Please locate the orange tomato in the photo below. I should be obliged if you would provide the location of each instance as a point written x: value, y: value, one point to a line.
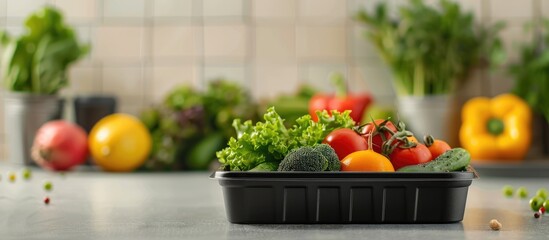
x: 436, y: 146
x: 366, y: 160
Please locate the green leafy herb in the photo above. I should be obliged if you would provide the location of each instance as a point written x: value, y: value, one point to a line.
x: 531, y: 72
x: 38, y: 60
x: 270, y: 141
x: 430, y: 49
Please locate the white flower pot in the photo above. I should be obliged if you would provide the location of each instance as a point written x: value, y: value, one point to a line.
x: 427, y: 115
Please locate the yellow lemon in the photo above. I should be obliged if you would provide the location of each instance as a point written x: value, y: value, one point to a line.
x: 119, y: 142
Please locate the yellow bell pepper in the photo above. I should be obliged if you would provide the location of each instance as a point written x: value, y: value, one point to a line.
x: 497, y: 128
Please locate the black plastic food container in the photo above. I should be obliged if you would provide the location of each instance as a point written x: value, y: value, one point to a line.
x: 344, y: 197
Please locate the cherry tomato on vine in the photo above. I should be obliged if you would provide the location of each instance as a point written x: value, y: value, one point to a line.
x: 377, y: 139
x: 401, y: 157
x: 345, y: 141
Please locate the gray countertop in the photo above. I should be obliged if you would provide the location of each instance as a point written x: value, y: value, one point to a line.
x: 98, y: 205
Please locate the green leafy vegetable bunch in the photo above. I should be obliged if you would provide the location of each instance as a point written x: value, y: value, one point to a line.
x: 268, y: 142
x: 531, y: 71
x: 430, y: 49
x: 38, y: 60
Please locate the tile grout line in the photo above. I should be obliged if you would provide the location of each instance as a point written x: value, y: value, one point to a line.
x: 100, y: 22
x: 197, y: 21
x: 250, y: 60
x: 485, y: 76
x: 299, y: 66
x: 352, y: 81
x: 147, y: 58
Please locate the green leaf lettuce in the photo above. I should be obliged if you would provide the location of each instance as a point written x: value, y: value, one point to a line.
x: 270, y: 141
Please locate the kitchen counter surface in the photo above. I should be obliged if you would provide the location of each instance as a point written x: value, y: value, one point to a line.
x: 96, y: 205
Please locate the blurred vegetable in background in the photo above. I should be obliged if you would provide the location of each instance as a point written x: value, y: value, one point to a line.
x: 430, y: 50
x: 38, y: 61
x: 342, y: 100
x: 497, y: 128
x: 119, y: 143
x: 60, y: 145
x: 378, y: 111
x: 190, y: 126
x: 290, y: 107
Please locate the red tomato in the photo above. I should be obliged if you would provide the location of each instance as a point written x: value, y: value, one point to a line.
x: 377, y: 139
x: 345, y: 141
x: 401, y: 157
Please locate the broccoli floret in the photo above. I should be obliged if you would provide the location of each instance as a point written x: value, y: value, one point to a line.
x: 303, y: 159
x: 330, y: 154
x: 318, y: 158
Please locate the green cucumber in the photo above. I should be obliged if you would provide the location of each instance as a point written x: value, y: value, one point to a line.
x: 452, y: 160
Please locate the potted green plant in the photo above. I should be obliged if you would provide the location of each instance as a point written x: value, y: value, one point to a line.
x: 34, y: 67
x: 430, y: 51
x: 531, y: 75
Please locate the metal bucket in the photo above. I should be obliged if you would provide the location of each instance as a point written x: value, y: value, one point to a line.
x: 427, y: 115
x: 23, y: 115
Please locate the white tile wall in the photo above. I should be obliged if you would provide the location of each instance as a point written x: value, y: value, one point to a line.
x: 143, y: 48
x: 174, y: 41
x: 172, y: 8
x: 323, y: 42
x: 3, y: 9
x: 78, y: 11
x: 274, y: 79
x: 126, y: 81
x: 223, y: 8
x: 19, y: 9
x: 118, y: 42
x: 166, y: 78
x: 322, y: 11
x: 275, y: 42
x: 84, y: 80
x: 117, y: 9
x: 544, y: 7
x: 505, y: 10
x: 277, y: 10
x: 225, y: 41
